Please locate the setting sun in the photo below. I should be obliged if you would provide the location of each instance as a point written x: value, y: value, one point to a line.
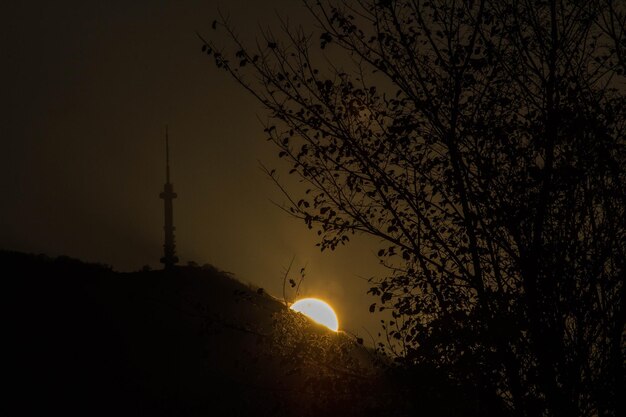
x: 317, y: 310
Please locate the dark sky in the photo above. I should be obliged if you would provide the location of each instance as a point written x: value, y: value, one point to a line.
x: 87, y: 89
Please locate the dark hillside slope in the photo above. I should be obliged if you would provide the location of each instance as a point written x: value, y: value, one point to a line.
x: 89, y: 341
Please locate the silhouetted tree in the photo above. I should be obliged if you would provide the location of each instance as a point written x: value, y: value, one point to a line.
x: 482, y: 143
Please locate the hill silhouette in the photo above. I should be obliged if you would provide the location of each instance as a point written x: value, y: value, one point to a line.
x: 190, y: 342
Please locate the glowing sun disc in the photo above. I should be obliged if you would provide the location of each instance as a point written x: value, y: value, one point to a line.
x: 317, y: 310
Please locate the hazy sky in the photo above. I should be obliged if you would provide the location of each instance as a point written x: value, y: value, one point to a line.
x: 87, y: 89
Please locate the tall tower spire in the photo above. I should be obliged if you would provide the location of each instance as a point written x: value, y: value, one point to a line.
x: 167, y: 155
x: 169, y: 258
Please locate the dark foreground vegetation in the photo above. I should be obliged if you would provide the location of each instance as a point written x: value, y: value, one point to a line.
x: 86, y: 340
x: 482, y: 144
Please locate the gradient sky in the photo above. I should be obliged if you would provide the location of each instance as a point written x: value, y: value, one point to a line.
x: 87, y: 89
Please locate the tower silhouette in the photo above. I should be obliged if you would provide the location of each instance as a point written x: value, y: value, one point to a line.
x: 169, y: 258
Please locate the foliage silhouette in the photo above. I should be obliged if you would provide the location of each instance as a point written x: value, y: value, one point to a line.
x: 188, y: 341
x: 482, y: 143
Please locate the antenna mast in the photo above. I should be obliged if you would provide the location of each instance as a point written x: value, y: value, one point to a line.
x: 167, y: 155
x: 168, y: 195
